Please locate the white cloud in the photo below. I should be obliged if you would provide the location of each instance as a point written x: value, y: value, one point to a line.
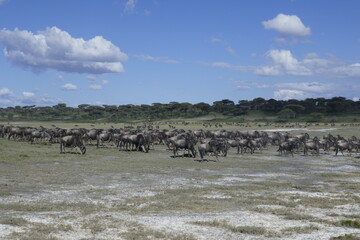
x: 28, y: 94
x: 288, y: 25
x: 286, y: 94
x: 356, y: 99
x: 130, y: 6
x: 8, y: 98
x: 352, y: 70
x: 69, y: 87
x: 283, y: 63
x: 156, y: 59
x: 5, y: 92
x: 104, y: 82
x: 2, y: 1
x: 95, y: 87
x: 315, y: 87
x: 57, y: 49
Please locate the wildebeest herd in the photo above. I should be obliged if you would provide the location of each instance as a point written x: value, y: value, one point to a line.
x: 191, y: 142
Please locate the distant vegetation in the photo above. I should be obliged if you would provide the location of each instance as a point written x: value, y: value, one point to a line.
x: 258, y: 109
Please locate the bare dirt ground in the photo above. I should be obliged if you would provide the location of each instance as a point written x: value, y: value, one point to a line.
x: 111, y: 194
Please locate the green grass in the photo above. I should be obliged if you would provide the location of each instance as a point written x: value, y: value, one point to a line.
x: 350, y: 223
x: 346, y: 237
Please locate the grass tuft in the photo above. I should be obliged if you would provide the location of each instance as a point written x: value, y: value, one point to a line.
x: 350, y: 223
x: 251, y: 230
x: 346, y: 237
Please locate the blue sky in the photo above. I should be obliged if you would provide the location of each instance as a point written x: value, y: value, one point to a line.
x: 147, y: 51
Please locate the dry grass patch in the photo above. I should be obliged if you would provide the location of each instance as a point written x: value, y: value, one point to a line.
x: 14, y: 221
x: 224, y: 224
x: 138, y: 231
x: 41, y: 231
x: 47, y: 206
x: 299, y: 230
x: 94, y: 225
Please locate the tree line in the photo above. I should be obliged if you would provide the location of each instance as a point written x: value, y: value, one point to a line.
x: 313, y: 108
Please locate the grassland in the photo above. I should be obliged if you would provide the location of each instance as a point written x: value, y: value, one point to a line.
x: 111, y: 194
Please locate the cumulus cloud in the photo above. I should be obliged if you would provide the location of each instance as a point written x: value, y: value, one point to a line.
x: 287, y: 25
x: 156, y: 59
x: 286, y: 94
x: 95, y: 87
x: 69, y: 87
x: 57, y: 49
x: 283, y: 63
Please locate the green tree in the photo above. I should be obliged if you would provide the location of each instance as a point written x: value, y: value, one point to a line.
x: 286, y: 113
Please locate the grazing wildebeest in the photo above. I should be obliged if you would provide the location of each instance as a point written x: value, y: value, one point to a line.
x: 72, y: 141
x: 140, y: 142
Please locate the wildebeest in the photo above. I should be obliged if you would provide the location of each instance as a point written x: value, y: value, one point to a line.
x: 185, y: 144
x: 104, y: 136
x: 286, y: 147
x: 312, y: 145
x: 73, y: 141
x: 343, y: 145
x: 213, y: 146
x: 140, y: 142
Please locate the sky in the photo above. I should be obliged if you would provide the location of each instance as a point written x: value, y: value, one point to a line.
x: 118, y: 52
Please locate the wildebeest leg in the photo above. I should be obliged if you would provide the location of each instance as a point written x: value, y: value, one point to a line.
x: 61, y: 148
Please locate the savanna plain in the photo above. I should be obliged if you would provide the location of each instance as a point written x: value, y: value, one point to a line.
x: 112, y: 194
